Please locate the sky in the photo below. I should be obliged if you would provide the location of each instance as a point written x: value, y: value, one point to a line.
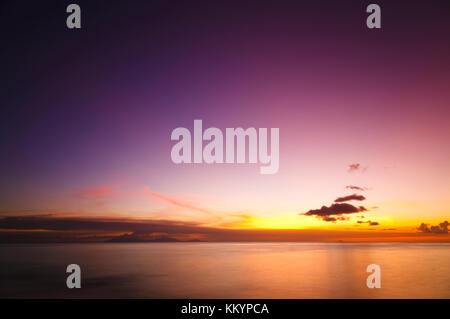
x: 88, y: 114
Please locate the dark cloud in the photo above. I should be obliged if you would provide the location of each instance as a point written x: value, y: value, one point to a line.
x: 356, y: 188
x: 423, y: 228
x: 349, y: 197
x: 442, y: 228
x: 328, y: 213
x: 76, y: 229
x: 90, y: 224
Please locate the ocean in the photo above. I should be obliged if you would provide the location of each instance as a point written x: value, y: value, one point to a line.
x: 225, y: 270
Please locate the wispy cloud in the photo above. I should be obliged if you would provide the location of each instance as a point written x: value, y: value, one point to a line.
x: 356, y: 167
x: 98, y: 193
x: 176, y: 202
x: 239, y: 220
x: 356, y: 188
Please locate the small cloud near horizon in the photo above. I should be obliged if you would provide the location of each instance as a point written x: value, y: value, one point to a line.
x: 442, y: 228
x: 371, y: 223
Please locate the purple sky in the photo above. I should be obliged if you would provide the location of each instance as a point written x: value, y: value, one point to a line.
x: 94, y: 108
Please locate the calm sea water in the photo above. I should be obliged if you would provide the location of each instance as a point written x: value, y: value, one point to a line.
x: 226, y: 270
